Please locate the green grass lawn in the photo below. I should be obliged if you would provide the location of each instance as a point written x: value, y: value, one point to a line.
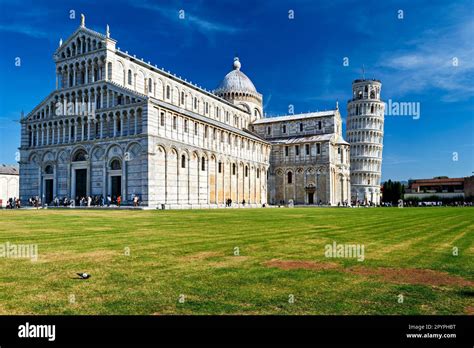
x: 191, y: 253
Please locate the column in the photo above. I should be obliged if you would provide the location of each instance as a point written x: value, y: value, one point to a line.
x: 47, y: 135
x: 135, y: 125
x: 121, y: 124
x: 124, y: 180
x: 115, y: 125
x: 82, y: 130
x: 101, y: 127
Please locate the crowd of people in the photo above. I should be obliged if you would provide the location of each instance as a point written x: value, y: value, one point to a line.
x: 85, y: 201
x: 13, y: 203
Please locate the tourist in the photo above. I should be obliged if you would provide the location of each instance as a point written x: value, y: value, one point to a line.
x: 119, y: 200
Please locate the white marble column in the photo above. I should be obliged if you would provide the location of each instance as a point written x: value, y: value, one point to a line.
x: 135, y: 124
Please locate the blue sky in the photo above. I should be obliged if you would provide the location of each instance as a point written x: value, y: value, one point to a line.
x: 295, y: 61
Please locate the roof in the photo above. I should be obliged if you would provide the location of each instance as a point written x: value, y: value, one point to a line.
x: 295, y: 117
x: 437, y: 181
x: 310, y: 138
x: 179, y: 79
x: 236, y: 81
x: 208, y: 120
x: 340, y: 140
x: 9, y: 170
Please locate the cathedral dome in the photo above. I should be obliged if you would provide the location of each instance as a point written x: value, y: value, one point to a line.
x: 236, y: 81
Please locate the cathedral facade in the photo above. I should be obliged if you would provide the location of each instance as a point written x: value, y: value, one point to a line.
x: 117, y: 126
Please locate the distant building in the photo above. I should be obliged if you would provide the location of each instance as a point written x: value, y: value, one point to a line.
x: 442, y: 187
x: 9, y: 183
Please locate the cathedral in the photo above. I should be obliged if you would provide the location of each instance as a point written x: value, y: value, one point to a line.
x: 117, y: 126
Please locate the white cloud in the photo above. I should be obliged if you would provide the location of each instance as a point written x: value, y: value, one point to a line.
x: 202, y: 25
x: 25, y: 30
x: 430, y: 63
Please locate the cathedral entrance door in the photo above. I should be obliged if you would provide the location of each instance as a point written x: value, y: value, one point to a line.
x: 48, y: 191
x: 310, y: 198
x: 116, y: 186
x: 81, y: 183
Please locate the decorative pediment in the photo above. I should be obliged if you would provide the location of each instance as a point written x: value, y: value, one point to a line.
x: 83, y: 40
x: 47, y: 108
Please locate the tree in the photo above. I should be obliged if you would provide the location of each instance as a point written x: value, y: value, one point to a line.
x: 392, y: 191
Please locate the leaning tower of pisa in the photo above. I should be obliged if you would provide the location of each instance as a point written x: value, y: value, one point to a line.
x: 364, y: 131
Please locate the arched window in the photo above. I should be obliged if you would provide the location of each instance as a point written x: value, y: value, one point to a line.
x: 258, y: 173
x: 183, y: 161
x: 129, y: 76
x: 109, y: 71
x: 168, y: 92
x: 115, y: 165
x: 80, y: 156
x: 203, y: 163
x: 182, y: 98
x: 290, y: 177
x: 372, y: 109
x: 246, y: 171
x: 48, y: 170
x: 150, y: 85
x: 233, y: 168
x: 219, y: 167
